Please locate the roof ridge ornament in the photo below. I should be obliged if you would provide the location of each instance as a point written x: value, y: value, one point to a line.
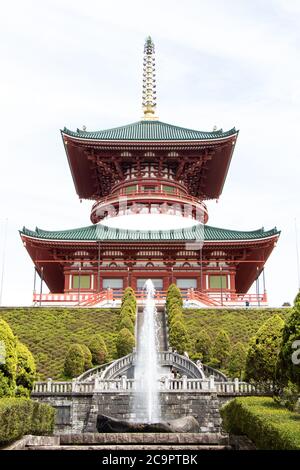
x: 149, y: 81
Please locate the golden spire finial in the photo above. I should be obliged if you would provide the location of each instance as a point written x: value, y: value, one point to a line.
x: 149, y: 85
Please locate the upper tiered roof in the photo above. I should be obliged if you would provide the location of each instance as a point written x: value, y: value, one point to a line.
x: 150, y: 131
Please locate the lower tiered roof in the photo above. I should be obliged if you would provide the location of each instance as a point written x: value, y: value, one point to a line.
x: 100, y: 232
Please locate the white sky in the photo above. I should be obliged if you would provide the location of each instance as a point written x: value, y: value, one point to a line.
x: 73, y: 63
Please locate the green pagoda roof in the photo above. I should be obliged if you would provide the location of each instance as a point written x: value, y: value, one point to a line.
x: 102, y: 232
x: 149, y: 130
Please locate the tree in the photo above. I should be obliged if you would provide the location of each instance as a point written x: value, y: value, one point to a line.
x: 8, y: 362
x: 237, y: 360
x: 126, y: 322
x: 203, y: 345
x: 26, y: 370
x: 263, y: 351
x: 178, y: 337
x: 98, y: 349
x: 125, y: 342
x: 87, y: 357
x: 221, y: 349
x: 74, y: 361
x: 288, y: 367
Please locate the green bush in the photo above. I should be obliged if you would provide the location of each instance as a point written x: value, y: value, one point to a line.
x: 178, y: 337
x: 221, y: 349
x: 98, y: 349
x: 173, y: 296
x: 125, y: 342
x: 269, y: 425
x: 128, y: 309
x: 288, y: 369
x: 203, y: 346
x: 20, y: 416
x: 8, y: 366
x: 87, y: 357
x: 126, y: 322
x: 26, y: 370
x: 263, y: 351
x: 74, y: 362
x: 237, y: 361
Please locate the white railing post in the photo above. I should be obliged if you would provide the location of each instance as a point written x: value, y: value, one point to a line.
x: 236, y: 385
x: 49, y: 385
x: 123, y: 382
x: 211, y: 384
x: 97, y: 383
x: 74, y: 384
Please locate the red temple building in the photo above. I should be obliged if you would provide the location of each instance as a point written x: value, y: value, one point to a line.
x: 138, y: 175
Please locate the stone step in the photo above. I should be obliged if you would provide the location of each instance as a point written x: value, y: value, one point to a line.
x: 143, y: 438
x: 120, y: 447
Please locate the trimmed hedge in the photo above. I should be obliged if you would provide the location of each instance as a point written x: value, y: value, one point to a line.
x: 269, y: 425
x: 20, y: 416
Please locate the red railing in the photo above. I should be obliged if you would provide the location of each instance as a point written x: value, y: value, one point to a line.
x: 211, y: 299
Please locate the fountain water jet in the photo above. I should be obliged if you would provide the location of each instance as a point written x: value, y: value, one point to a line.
x: 146, y: 402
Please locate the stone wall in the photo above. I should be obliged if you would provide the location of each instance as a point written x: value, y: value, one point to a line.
x: 77, y: 412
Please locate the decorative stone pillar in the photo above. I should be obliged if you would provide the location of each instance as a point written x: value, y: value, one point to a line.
x: 211, y: 385
x: 49, y: 385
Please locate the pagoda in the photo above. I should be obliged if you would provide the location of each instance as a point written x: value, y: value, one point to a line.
x: 138, y: 176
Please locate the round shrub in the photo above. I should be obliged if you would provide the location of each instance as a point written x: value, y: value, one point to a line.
x: 26, y: 369
x: 178, y: 337
x: 263, y: 351
x: 125, y: 342
x: 98, y: 349
x: 87, y: 357
x: 74, y: 361
x: 8, y: 363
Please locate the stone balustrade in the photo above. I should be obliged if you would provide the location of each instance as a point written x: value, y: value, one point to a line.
x: 166, y: 384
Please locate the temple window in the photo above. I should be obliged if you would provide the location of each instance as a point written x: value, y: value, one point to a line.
x: 112, y: 283
x: 218, y: 282
x: 186, y: 283
x: 85, y: 281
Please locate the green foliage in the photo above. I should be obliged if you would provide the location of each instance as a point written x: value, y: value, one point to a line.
x: 26, y: 370
x: 237, y: 361
x: 240, y: 324
x: 266, y: 423
x: 173, y: 296
x: 49, y: 332
x: 74, y: 362
x: 263, y: 351
x: 8, y: 367
x: 178, y: 337
x: 126, y: 322
x: 129, y: 310
x: 20, y: 416
x: 129, y: 298
x: 288, y: 367
x: 221, y: 349
x: 98, y: 349
x: 203, y: 346
x: 87, y: 357
x: 125, y: 342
